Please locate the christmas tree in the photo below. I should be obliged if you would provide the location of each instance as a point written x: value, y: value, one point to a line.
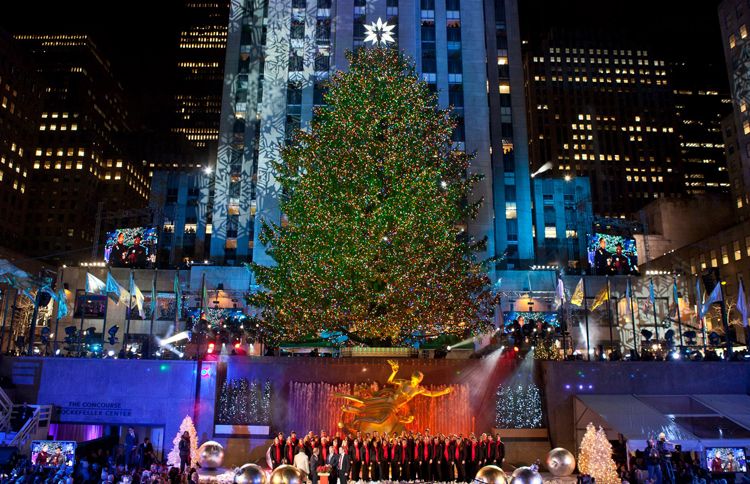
x: 373, y: 245
x: 173, y: 458
x: 595, y: 456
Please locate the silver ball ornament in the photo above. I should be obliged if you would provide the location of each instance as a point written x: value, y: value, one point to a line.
x: 560, y: 462
x: 526, y: 475
x: 211, y: 455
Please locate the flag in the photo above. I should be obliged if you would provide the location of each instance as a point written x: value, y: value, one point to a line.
x: 698, y: 301
x: 177, y: 295
x: 577, y: 298
x: 62, y: 304
x: 560, y: 293
x: 714, y: 297
x: 153, y: 295
x: 94, y: 285
x: 27, y: 292
x: 651, y: 292
x: 115, y: 291
x: 137, y: 295
x: 742, y: 303
x: 601, y: 298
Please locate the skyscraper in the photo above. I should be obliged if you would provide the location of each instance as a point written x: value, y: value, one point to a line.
x: 80, y: 164
x: 200, y: 70
x: 734, y: 18
x: 602, y: 108
x: 278, y: 58
x: 20, y: 107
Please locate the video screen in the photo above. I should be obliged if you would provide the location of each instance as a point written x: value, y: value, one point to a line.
x: 131, y: 247
x: 726, y: 459
x: 53, y: 453
x: 612, y: 255
x: 512, y: 319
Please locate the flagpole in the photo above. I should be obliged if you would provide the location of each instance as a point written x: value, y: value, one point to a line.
x: 5, y: 313
x: 57, y: 315
x: 83, y: 311
x: 741, y: 287
x: 725, y: 318
x: 632, y: 316
x: 563, y: 325
x: 106, y: 307
x: 609, y: 317
x: 177, y: 300
x: 586, y: 318
x: 653, y: 309
x: 677, y: 302
x: 130, y: 310
x: 154, y: 304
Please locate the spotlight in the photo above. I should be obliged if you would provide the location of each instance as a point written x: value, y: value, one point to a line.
x: 515, y: 348
x: 675, y: 355
x: 110, y: 353
x: 237, y: 345
x: 57, y: 352
x: 211, y: 347
x: 448, y: 348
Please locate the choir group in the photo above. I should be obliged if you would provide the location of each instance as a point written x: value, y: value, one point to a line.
x: 381, y: 457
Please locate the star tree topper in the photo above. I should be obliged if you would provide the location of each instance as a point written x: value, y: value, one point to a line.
x: 379, y: 33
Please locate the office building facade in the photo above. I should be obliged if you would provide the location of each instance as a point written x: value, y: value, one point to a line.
x: 20, y: 108
x: 602, y: 109
x: 200, y: 71
x: 81, y: 174
x: 281, y: 52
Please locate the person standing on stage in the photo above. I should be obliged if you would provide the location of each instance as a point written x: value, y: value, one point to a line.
x: 343, y: 465
x: 436, y: 460
x: 499, y: 456
x: 314, y: 464
x: 277, y: 452
x: 333, y: 461
x: 301, y: 461
x: 356, y: 455
x: 404, y: 461
x: 473, y: 458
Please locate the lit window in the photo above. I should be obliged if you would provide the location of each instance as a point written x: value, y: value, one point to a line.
x: 38, y: 152
x: 36, y: 165
x: 504, y: 88
x: 737, y: 250
x: 714, y: 260
x: 550, y: 232
x: 79, y: 165
x: 74, y: 127
x: 743, y: 31
x: 732, y: 41
x: 510, y: 211
x: 724, y: 255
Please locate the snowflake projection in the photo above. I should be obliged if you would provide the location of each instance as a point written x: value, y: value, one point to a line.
x: 379, y: 33
x: 741, y: 75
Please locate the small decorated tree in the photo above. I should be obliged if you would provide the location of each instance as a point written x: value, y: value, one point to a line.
x: 173, y: 458
x: 595, y: 456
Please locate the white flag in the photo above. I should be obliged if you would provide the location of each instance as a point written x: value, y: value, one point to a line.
x: 95, y: 285
x: 137, y: 295
x: 742, y: 303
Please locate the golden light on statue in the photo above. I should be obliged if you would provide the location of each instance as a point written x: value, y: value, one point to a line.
x: 386, y: 410
x: 340, y: 425
x: 491, y: 475
x: 286, y: 474
x: 560, y: 462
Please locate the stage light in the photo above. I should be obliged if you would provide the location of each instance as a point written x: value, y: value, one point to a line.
x: 57, y: 352
x: 448, y: 348
x: 675, y: 356
x: 237, y: 345
x: 111, y: 353
x: 205, y: 372
x: 211, y: 347
x: 515, y: 348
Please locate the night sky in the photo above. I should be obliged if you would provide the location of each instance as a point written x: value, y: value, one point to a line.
x: 140, y: 36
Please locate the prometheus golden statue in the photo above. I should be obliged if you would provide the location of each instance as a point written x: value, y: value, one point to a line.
x: 386, y: 410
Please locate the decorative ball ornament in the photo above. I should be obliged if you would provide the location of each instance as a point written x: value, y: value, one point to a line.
x: 491, y: 475
x: 286, y: 474
x: 560, y: 462
x: 526, y: 475
x: 211, y: 455
x: 250, y: 474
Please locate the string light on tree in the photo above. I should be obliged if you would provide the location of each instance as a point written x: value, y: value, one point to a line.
x: 379, y: 33
x: 518, y: 406
x: 173, y: 458
x: 373, y: 249
x: 595, y: 456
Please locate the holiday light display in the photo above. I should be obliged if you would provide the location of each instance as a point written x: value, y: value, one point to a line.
x: 373, y: 244
x: 595, y: 456
x: 244, y: 402
x: 518, y: 406
x: 173, y: 458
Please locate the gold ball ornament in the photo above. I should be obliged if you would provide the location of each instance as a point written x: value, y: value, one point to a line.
x: 286, y: 474
x: 250, y: 474
x: 560, y: 462
x: 491, y: 475
x: 211, y: 455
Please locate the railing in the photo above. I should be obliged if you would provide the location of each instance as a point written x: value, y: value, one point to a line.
x: 39, y: 419
x: 379, y: 352
x: 6, y: 411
